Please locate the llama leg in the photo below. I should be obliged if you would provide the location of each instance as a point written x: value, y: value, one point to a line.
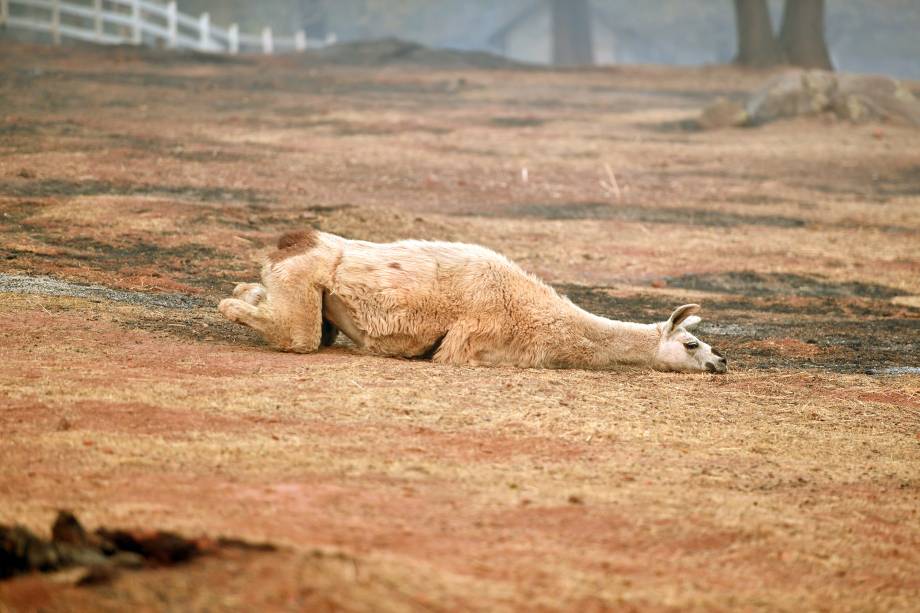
x: 455, y: 347
x: 470, y: 344
x: 243, y: 313
x: 253, y: 293
x: 298, y: 317
x: 289, y: 319
x: 296, y: 304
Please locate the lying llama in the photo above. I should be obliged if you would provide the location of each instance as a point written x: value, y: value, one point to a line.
x: 451, y: 302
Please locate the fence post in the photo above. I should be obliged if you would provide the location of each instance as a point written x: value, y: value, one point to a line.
x: 300, y: 40
x: 56, y: 21
x: 4, y: 11
x: 204, y: 31
x: 233, y: 38
x: 97, y: 18
x: 136, y: 22
x: 267, y: 43
x: 172, y: 24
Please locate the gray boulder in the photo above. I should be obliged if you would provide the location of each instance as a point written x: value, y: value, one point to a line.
x: 790, y: 95
x: 797, y: 93
x: 866, y: 97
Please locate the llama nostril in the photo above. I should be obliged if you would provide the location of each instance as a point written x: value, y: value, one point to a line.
x: 710, y: 367
x: 723, y: 360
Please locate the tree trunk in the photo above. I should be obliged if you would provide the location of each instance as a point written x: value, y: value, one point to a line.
x: 757, y: 46
x: 572, y: 45
x: 802, y: 34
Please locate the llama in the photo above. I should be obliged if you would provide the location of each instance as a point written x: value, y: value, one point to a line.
x: 451, y: 302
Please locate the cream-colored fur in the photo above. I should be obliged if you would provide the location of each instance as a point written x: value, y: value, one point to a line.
x: 473, y: 305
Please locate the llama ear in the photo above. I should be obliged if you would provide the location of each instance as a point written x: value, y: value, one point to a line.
x: 692, y: 322
x: 679, y: 315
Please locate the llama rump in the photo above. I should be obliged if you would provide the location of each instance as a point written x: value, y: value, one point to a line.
x: 452, y: 302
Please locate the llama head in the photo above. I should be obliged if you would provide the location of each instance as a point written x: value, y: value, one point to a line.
x: 678, y: 350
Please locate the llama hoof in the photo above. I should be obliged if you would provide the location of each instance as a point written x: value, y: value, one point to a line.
x: 253, y: 293
x: 232, y: 309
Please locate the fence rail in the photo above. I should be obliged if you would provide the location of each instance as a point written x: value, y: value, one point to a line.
x: 144, y: 22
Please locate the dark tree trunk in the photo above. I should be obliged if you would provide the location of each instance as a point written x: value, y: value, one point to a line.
x: 572, y: 44
x: 756, y: 44
x: 802, y: 34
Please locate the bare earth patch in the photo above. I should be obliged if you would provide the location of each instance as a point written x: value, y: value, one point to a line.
x: 134, y: 193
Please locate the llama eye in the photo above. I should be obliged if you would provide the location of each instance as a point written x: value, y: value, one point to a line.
x: 691, y: 345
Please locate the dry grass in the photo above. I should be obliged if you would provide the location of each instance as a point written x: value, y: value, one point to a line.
x: 789, y: 484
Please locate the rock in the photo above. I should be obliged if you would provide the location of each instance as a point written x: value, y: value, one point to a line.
x: 21, y: 551
x: 74, y: 555
x: 240, y: 544
x: 95, y: 575
x: 723, y: 113
x: 861, y: 98
x: 83, y: 575
x: 94, y: 557
x: 66, y: 529
x: 70, y: 576
x: 791, y: 94
x: 158, y: 547
x: 127, y: 559
x: 855, y: 98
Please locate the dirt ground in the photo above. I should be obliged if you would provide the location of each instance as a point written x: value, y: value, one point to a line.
x: 137, y: 188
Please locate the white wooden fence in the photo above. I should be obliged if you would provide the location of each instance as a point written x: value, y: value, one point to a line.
x: 141, y: 22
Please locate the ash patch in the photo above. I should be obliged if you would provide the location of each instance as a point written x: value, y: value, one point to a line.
x: 48, y: 286
x: 641, y: 307
x: 56, y: 187
x: 604, y: 210
x: 197, y: 265
x: 176, y: 315
x: 750, y: 283
x: 875, y: 184
x: 516, y: 122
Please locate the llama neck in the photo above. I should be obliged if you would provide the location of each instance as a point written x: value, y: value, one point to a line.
x: 600, y: 343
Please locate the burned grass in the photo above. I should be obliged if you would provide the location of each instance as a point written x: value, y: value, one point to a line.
x: 749, y: 283
x: 46, y: 286
x: 190, y: 267
x: 45, y: 188
x: 682, y: 215
x: 83, y: 558
x: 644, y: 214
x: 516, y: 122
